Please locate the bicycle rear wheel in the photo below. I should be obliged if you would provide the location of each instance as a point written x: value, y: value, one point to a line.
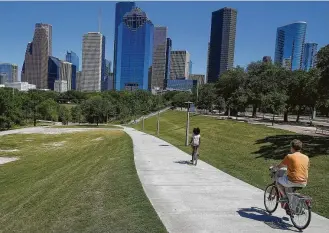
x: 302, y: 218
x: 271, y: 198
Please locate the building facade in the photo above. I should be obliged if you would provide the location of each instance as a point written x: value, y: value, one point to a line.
x: 11, y: 71
x: 290, y: 40
x: 35, y: 67
x: 78, y: 80
x: 159, y: 58
x: 309, y: 56
x: 179, y: 64
x: 121, y: 8
x: 21, y: 86
x: 60, y: 71
x: 181, y: 84
x: 222, y: 43
x: 93, y: 61
x: 60, y: 86
x: 73, y: 58
x: 134, y: 51
x: 200, y: 78
x: 168, y: 56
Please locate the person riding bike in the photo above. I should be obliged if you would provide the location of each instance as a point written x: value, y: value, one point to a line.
x: 297, y: 165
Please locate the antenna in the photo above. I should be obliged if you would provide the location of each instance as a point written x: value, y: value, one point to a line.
x: 99, y: 19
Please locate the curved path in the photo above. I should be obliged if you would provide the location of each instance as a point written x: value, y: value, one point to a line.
x: 203, y: 198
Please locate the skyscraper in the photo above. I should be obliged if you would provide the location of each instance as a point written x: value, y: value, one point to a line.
x: 309, y: 56
x: 290, y: 41
x: 59, y: 71
x: 73, y: 58
x: 121, y: 8
x: 35, y: 67
x: 134, y: 51
x: 168, y: 55
x: 93, y: 61
x: 159, y: 58
x: 179, y: 65
x: 10, y: 71
x: 222, y: 43
x: 267, y: 59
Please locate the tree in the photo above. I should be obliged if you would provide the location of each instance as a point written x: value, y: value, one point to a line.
x: 48, y: 110
x: 274, y: 102
x: 64, y: 115
x: 322, y: 58
x: 76, y: 113
x: 207, y: 97
x: 93, y: 109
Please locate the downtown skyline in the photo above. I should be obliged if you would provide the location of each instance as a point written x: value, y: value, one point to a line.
x: 199, y: 49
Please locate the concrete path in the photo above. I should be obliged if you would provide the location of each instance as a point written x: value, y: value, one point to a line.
x: 202, y: 198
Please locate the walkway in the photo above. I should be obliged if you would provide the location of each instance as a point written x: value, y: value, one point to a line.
x: 202, y: 198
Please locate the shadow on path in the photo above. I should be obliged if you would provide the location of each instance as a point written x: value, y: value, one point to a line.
x: 261, y: 215
x: 187, y: 162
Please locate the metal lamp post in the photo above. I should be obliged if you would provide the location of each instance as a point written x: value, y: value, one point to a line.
x: 187, y: 122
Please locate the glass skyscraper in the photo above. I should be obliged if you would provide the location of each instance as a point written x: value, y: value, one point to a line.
x: 290, y: 41
x: 168, y: 54
x: 222, y: 43
x: 10, y: 71
x: 309, y: 56
x: 134, y: 51
x: 121, y: 8
x: 73, y: 58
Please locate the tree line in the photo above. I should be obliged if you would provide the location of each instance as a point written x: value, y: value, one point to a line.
x: 267, y: 88
x: 22, y: 108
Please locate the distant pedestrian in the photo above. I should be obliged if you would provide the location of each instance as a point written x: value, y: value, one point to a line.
x: 195, y: 142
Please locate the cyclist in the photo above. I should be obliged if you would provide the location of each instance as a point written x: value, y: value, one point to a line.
x: 297, y: 165
x: 195, y: 141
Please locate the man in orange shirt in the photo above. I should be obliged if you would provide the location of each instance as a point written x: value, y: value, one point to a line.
x: 297, y: 168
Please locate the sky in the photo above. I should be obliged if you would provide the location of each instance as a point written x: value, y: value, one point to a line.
x: 188, y: 26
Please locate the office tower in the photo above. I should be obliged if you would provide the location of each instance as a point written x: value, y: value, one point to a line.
x: 222, y: 43
x: 35, y: 67
x: 190, y: 68
x: 309, y: 56
x: 11, y: 71
x: 93, y: 61
x: 290, y: 41
x: 159, y: 58
x: 200, y: 78
x: 73, y: 58
x: 121, y: 8
x: 3, y: 78
x: 134, y: 51
x: 286, y: 63
x: 78, y: 80
x: 168, y: 55
x: 179, y: 65
x: 60, y: 86
x: 61, y: 71
x: 267, y: 59
x: 108, y: 65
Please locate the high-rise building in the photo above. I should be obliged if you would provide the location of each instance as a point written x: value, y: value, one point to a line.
x: 168, y: 55
x: 267, y: 59
x: 222, y: 43
x: 159, y: 58
x: 290, y: 41
x: 179, y: 64
x: 73, y: 58
x: 61, y: 71
x: 3, y: 78
x: 11, y: 71
x: 198, y: 77
x: 121, y: 8
x: 309, y: 56
x: 35, y: 67
x: 190, y: 68
x: 78, y: 80
x: 286, y: 63
x: 134, y: 51
x: 93, y: 61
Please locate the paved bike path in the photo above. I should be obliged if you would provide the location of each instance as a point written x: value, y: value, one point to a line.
x: 203, y: 198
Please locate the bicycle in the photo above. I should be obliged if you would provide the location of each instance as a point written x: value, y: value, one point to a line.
x: 295, y: 205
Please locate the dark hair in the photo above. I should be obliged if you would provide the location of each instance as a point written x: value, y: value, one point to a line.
x: 195, y: 131
x: 296, y: 144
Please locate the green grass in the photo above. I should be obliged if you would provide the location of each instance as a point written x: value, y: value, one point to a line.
x: 86, y: 126
x: 73, y: 183
x: 246, y: 151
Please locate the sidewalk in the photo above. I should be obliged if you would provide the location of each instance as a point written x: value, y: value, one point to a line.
x: 202, y: 198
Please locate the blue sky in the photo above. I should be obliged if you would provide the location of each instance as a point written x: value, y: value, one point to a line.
x: 188, y: 26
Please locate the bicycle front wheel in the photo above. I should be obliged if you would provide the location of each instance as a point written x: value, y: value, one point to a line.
x: 302, y: 218
x: 271, y: 198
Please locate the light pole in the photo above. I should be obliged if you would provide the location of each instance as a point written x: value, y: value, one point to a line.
x: 187, y: 122
x: 143, y: 122
x: 158, y: 124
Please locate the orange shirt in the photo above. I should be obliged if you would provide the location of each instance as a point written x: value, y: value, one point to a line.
x: 297, y: 167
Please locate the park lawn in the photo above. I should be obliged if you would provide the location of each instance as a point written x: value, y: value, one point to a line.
x: 79, y: 182
x: 86, y: 126
x: 247, y: 151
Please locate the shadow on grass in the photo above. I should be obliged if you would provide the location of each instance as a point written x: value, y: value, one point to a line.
x: 261, y: 215
x: 278, y: 146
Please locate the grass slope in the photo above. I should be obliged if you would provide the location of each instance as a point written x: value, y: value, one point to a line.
x: 246, y: 151
x: 82, y: 182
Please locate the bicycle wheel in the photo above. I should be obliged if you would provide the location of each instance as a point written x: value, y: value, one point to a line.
x: 302, y: 218
x: 271, y: 198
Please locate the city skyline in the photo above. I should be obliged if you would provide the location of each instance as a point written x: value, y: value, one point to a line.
x: 190, y: 40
